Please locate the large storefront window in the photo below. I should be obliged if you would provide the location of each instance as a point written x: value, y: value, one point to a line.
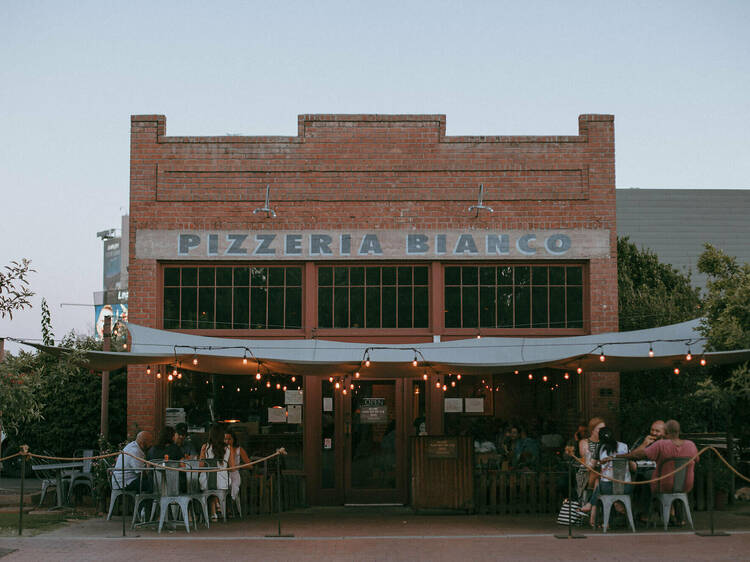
x: 514, y: 296
x: 373, y: 297
x: 233, y: 298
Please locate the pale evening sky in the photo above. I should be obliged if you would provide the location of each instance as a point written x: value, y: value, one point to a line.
x: 676, y: 75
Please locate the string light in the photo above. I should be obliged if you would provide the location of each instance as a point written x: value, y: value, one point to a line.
x: 356, y: 375
x: 257, y: 376
x: 337, y: 385
x: 445, y: 388
x: 294, y: 379
x: 545, y: 378
x: 158, y: 374
x: 268, y: 384
x: 437, y: 384
x: 351, y: 385
x: 179, y: 375
x: 676, y: 370
x: 244, y: 357
x: 579, y: 370
x: 238, y: 389
x: 195, y: 359
x: 343, y: 392
x: 170, y: 377
x: 174, y: 372
x: 148, y: 370
x: 278, y: 386
x: 601, y: 355
x: 458, y: 376
x: 453, y: 384
x: 515, y: 372
x: 703, y: 361
x: 367, y: 360
x: 425, y: 376
x: 650, y: 350
x: 531, y: 377
x: 283, y: 388
x: 415, y: 362
x: 566, y: 376
x: 330, y: 379
x: 689, y: 355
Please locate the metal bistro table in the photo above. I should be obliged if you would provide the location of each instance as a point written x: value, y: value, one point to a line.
x: 59, y: 468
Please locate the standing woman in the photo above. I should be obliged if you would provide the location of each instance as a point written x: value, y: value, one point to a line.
x: 588, y: 449
x: 216, y: 449
x: 239, y: 456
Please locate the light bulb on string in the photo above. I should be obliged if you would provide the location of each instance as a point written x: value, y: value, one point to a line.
x: 453, y: 384
x: 415, y: 362
x: 268, y: 384
x: 515, y: 372
x: 351, y: 386
x: 458, y: 376
x: 283, y: 388
x: 531, y: 376
x: 367, y: 361
x: 179, y: 375
x: 689, y: 356
x: 330, y: 379
x: 278, y: 386
x: 445, y: 388
x: 343, y: 392
x: 676, y: 370
x: 294, y: 379
x: 195, y: 359
x: 244, y: 357
x: 238, y: 389
x: 602, y: 358
x: 148, y: 370
x: 437, y: 384
x: 257, y: 376
x: 425, y: 376
x: 158, y: 374
x: 566, y: 376
x: 545, y: 378
x: 357, y: 375
x: 337, y: 385
x: 650, y: 350
x: 703, y: 361
x: 579, y: 370
x: 170, y: 377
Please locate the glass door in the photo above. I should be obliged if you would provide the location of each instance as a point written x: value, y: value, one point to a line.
x: 373, y: 428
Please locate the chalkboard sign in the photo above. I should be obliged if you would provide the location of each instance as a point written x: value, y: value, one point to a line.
x: 441, y: 448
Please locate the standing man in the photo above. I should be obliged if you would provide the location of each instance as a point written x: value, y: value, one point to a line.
x: 133, y: 466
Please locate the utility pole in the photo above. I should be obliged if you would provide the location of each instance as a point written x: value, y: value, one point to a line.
x: 105, y: 379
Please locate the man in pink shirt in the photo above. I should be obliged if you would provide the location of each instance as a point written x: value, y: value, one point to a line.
x: 662, y: 451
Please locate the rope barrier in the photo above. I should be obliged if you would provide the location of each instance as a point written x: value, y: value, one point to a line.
x: 14, y: 455
x: 280, y: 451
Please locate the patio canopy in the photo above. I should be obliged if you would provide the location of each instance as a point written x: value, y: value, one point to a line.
x: 623, y: 351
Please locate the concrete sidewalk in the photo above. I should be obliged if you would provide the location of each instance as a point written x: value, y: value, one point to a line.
x: 384, y: 534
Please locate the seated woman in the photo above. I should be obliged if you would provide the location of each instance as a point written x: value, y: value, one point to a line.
x: 159, y: 451
x: 239, y: 457
x: 608, y: 449
x: 216, y: 449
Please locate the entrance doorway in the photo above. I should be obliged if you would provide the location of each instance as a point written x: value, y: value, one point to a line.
x: 374, y: 462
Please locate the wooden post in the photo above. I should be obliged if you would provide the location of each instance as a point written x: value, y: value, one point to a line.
x: 105, y: 380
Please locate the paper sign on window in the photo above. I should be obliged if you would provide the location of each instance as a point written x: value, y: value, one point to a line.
x: 474, y: 405
x: 277, y: 415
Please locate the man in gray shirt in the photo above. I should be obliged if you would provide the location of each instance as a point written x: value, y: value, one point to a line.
x: 132, y: 466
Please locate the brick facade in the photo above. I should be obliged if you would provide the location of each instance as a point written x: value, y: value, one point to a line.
x: 395, y: 172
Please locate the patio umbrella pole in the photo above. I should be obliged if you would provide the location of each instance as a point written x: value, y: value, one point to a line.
x: 278, y: 496
x: 570, y: 534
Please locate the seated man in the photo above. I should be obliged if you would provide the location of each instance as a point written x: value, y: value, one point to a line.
x: 189, y: 450
x: 132, y: 466
x: 645, y: 470
x: 525, y: 451
x: 662, y: 451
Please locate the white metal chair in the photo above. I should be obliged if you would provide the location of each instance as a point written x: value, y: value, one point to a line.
x: 619, y: 470
x: 666, y: 499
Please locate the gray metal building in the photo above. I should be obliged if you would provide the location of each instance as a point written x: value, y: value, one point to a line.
x: 676, y: 223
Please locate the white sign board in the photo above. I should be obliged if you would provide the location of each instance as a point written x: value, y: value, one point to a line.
x: 294, y: 414
x: 293, y: 397
x: 453, y: 405
x: 474, y: 405
x: 276, y: 415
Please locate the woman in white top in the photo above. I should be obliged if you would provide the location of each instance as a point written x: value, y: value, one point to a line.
x: 216, y: 449
x: 608, y: 449
x: 239, y: 457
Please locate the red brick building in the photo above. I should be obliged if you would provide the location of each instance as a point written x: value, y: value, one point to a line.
x: 374, y: 237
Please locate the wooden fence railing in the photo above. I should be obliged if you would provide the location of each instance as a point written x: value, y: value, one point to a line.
x: 498, y: 491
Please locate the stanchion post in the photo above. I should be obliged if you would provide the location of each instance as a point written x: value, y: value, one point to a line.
x: 20, y: 501
x: 570, y: 534
x: 712, y: 532
x: 278, y: 498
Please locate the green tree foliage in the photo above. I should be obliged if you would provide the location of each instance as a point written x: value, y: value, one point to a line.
x: 653, y: 294
x: 19, y: 386
x: 14, y: 287
x: 726, y: 326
